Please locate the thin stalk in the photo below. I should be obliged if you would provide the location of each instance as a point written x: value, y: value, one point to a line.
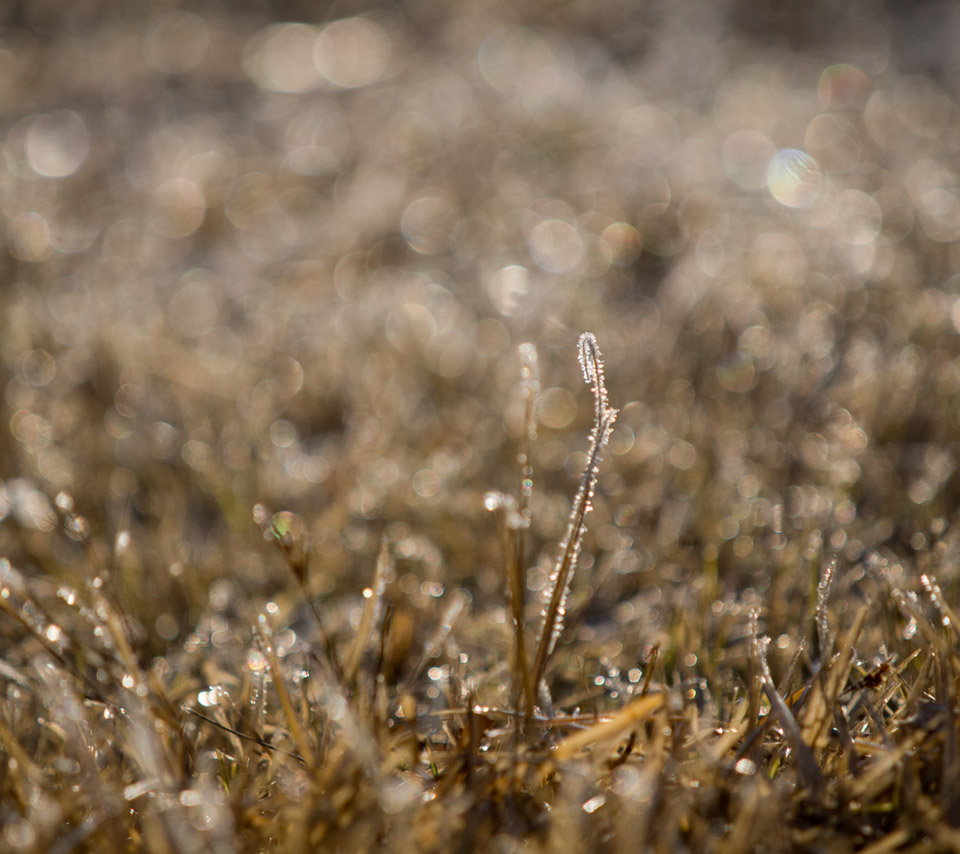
x: 530, y: 379
x: 591, y: 362
x: 372, y: 609
x: 509, y: 524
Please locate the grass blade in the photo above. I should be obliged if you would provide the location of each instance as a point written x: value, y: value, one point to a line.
x: 591, y: 362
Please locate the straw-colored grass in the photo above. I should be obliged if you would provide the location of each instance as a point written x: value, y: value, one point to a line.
x: 311, y: 539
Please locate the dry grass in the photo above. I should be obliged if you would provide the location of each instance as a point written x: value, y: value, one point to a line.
x: 286, y: 308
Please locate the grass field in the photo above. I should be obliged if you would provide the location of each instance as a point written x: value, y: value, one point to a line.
x: 313, y: 536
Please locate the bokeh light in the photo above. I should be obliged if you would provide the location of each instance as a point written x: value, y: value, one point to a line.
x: 57, y: 143
x: 794, y: 178
x: 352, y: 52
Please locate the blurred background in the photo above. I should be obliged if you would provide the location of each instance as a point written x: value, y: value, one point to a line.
x: 285, y: 252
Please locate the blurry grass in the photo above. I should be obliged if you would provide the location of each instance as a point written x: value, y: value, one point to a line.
x: 253, y: 736
x: 263, y: 299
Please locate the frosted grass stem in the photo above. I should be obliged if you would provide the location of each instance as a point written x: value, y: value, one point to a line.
x: 554, y: 611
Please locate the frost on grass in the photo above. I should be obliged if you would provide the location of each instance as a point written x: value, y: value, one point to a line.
x: 309, y: 330
x: 824, y: 587
x: 554, y: 611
